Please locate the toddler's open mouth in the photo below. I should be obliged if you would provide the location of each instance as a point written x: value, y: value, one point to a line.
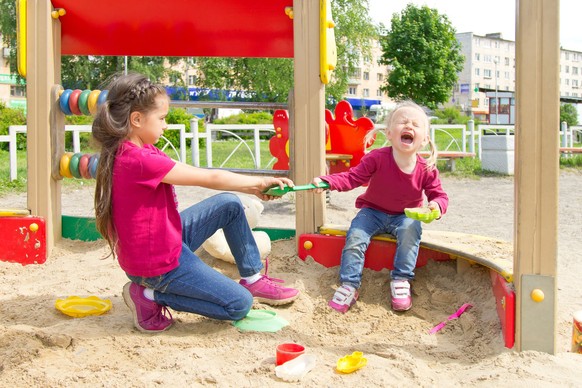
x: 406, y: 138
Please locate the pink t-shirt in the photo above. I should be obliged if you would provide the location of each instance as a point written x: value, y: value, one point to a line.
x: 389, y: 189
x: 145, y: 211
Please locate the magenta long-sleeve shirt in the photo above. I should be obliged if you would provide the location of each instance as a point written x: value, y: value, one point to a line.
x: 389, y: 189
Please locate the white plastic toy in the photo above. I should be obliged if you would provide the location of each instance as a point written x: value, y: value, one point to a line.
x: 217, y: 246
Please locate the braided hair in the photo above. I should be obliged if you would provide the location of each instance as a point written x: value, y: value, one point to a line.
x: 126, y: 94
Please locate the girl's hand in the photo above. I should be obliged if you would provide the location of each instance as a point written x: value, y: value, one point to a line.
x: 269, y: 182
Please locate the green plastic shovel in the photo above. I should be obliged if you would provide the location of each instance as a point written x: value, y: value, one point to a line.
x: 278, y: 192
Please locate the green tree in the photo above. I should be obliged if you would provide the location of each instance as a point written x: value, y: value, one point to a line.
x: 261, y: 79
x: 423, y: 56
x: 450, y: 115
x: 569, y: 114
x: 93, y: 72
x: 8, y: 117
x: 271, y: 79
x: 256, y: 79
x: 8, y: 32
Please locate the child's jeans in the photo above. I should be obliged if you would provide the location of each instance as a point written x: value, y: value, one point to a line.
x: 368, y: 223
x: 196, y: 287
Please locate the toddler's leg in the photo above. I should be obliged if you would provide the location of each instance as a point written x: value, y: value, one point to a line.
x: 407, y: 232
x: 366, y: 224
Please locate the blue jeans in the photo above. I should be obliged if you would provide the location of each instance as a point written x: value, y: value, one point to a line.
x: 368, y: 223
x: 196, y: 287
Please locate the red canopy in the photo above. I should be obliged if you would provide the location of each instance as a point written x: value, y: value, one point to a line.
x: 219, y: 28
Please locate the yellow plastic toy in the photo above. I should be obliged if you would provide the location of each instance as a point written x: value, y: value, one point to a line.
x: 423, y: 214
x: 351, y: 363
x: 77, y: 307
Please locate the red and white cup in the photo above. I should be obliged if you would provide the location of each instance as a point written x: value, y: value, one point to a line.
x: 288, y: 351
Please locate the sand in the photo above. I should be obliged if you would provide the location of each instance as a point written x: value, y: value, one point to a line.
x: 40, y: 346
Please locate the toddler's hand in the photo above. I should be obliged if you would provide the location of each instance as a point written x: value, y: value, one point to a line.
x: 316, y: 181
x: 432, y: 205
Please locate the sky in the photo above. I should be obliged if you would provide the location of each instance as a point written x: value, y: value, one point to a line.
x: 486, y: 16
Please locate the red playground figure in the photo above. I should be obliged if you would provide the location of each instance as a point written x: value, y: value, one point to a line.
x: 279, y: 143
x: 346, y: 135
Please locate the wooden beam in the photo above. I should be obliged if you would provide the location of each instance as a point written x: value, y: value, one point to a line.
x: 537, y: 167
x: 307, y: 118
x: 43, y: 72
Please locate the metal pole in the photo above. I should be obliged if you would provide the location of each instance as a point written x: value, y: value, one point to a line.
x: 125, y: 63
x: 496, y: 99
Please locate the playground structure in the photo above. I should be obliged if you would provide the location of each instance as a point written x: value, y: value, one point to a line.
x: 293, y: 28
x: 344, y: 138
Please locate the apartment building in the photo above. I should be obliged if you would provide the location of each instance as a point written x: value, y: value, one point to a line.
x: 489, y: 76
x: 364, y: 84
x: 11, y: 93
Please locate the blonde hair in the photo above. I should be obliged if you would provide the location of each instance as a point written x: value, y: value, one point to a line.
x: 432, y: 158
x: 126, y: 94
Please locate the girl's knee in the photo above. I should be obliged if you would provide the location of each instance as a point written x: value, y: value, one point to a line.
x: 229, y: 198
x: 230, y: 202
x: 240, y: 308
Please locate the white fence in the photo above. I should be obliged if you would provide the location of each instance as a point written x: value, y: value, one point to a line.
x: 229, y: 129
x: 469, y: 138
x: 454, y: 143
x: 13, y: 130
x: 570, y: 135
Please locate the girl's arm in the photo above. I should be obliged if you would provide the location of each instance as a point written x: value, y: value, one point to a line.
x: 185, y: 175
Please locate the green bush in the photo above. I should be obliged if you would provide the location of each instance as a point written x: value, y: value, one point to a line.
x: 247, y: 118
x: 179, y: 116
x: 451, y: 115
x: 8, y: 117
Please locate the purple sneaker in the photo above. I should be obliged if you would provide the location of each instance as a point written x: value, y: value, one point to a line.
x: 344, y: 298
x: 401, y: 297
x: 148, y: 316
x: 267, y: 290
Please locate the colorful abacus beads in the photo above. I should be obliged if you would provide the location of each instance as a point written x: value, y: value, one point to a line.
x: 64, y: 102
x: 92, y: 101
x: 74, y: 165
x: 81, y: 102
x: 78, y: 165
x: 84, y: 102
x: 64, y: 165
x: 84, y: 166
x: 93, y: 162
x: 74, y: 102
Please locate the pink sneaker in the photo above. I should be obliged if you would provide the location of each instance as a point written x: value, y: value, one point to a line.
x: 344, y: 298
x: 401, y: 297
x: 267, y: 290
x: 148, y: 316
